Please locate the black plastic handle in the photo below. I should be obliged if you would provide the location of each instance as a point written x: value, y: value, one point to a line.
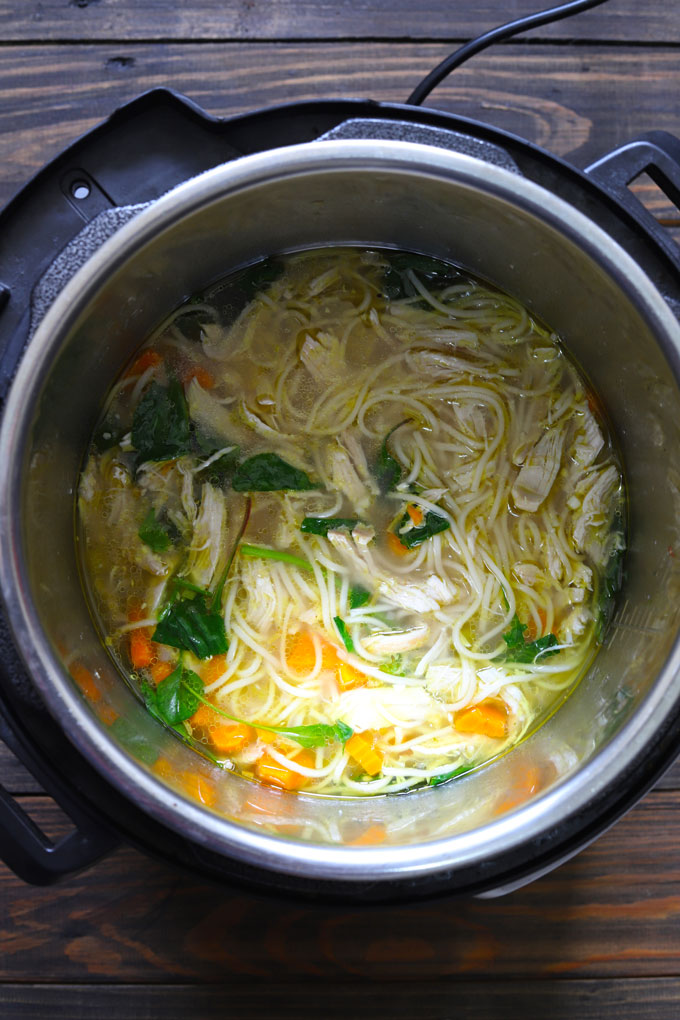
x: 656, y: 153
x: 37, y: 859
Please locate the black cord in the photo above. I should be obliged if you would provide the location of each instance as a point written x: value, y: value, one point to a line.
x: 454, y: 60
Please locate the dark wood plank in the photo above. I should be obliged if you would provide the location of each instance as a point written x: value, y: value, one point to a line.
x: 576, y: 103
x: 612, y: 912
x: 624, y: 20
x: 655, y: 999
x: 13, y: 776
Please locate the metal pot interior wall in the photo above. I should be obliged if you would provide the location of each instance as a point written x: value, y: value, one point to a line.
x: 487, y: 221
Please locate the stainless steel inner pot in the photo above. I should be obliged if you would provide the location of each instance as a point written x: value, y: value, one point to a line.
x: 491, y: 221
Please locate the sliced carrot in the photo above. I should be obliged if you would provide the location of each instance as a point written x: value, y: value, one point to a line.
x: 199, y: 788
x: 415, y: 513
x: 395, y: 545
x: 349, y: 677
x: 531, y: 633
x: 145, y: 360
x: 83, y: 677
x: 526, y: 786
x: 224, y: 736
x: 142, y: 648
x: 202, y: 376
x: 266, y: 736
x: 163, y: 768
x: 301, y: 653
x: 361, y: 747
x: 274, y: 773
x: 371, y: 836
x: 214, y: 669
x: 488, y: 718
x: 160, y: 670
x: 107, y: 714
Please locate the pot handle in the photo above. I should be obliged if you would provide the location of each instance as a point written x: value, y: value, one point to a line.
x: 656, y: 153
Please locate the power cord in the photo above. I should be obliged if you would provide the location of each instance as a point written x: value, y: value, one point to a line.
x: 454, y: 60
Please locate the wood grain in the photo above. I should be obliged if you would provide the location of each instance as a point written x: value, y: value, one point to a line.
x: 655, y: 999
x: 612, y: 912
x: 577, y: 103
x: 623, y: 20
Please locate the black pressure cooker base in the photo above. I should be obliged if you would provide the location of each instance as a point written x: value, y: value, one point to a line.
x: 143, y: 150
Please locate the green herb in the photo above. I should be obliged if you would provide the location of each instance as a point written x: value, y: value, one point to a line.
x: 157, y: 533
x: 387, y: 469
x: 314, y: 735
x: 432, y: 525
x: 160, y: 425
x: 322, y: 525
x: 261, y: 552
x: 358, y: 596
x: 194, y: 625
x: 460, y: 771
x: 136, y: 743
x: 178, y: 696
x: 219, y: 472
x: 267, y: 472
x: 344, y: 633
x: 398, y: 285
x: 393, y: 665
x: 520, y: 650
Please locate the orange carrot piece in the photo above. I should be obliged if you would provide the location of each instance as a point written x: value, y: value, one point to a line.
x: 160, y: 670
x: 301, y: 653
x: 265, y: 736
x: 228, y: 737
x: 107, y: 714
x: 488, y: 718
x: 199, y: 788
x: 527, y: 785
x: 415, y: 513
x: 371, y: 836
x: 163, y: 768
x: 395, y: 545
x: 202, y: 376
x: 531, y: 633
x: 273, y: 773
x: 349, y: 677
x: 83, y: 677
x: 214, y: 669
x: 142, y: 649
x: 361, y: 747
x: 145, y: 360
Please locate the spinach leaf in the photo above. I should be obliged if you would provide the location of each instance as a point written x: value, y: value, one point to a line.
x: 177, y: 697
x: 157, y: 533
x: 460, y: 771
x: 397, y: 284
x: 322, y: 525
x: 190, y: 324
x: 160, y: 425
x: 358, y: 596
x: 520, y: 650
x: 387, y: 469
x: 136, y: 743
x: 267, y: 472
x: 432, y: 525
x: 220, y: 471
x: 314, y: 735
x: 344, y: 633
x: 194, y: 625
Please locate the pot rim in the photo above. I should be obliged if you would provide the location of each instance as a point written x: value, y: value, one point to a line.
x: 526, y: 824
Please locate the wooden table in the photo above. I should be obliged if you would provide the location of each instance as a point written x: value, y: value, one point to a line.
x: 601, y: 936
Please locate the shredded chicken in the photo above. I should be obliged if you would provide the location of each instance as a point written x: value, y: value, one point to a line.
x: 392, y: 642
x: 537, y: 474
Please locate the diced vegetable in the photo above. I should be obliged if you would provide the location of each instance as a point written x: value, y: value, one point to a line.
x: 142, y: 651
x: 520, y: 650
x: 160, y: 425
x: 158, y: 534
x: 275, y: 774
x: 344, y: 633
x: 85, y: 680
x: 395, y: 545
x: 203, y: 377
x: 433, y: 524
x: 415, y: 513
x: 358, y: 596
x: 349, y: 677
x: 361, y: 747
x: 488, y: 719
x: 267, y: 472
x: 322, y: 525
x: 145, y: 360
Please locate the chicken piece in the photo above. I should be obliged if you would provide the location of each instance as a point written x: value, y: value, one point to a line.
x: 439, y: 364
x: 363, y: 534
x: 344, y: 477
x: 537, y: 474
x: 527, y: 573
x: 207, y: 539
x: 589, y: 440
x: 209, y: 413
x: 393, y: 641
x: 574, y: 625
x: 323, y: 358
x: 596, y: 506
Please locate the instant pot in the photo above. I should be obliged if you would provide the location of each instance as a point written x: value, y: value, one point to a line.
x: 153, y: 205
